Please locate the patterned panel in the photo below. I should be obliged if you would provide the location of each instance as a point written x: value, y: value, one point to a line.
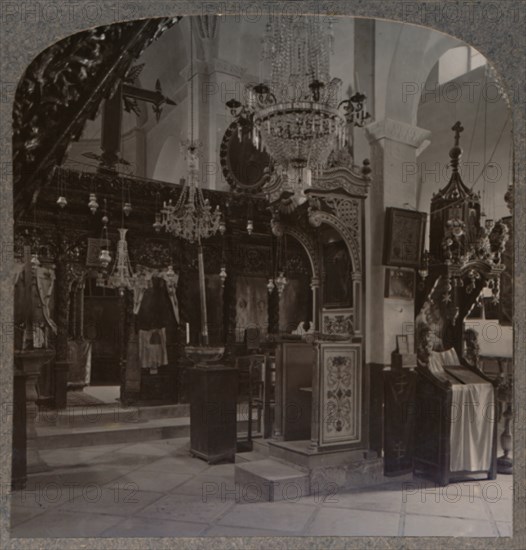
x: 338, y: 322
x: 341, y: 394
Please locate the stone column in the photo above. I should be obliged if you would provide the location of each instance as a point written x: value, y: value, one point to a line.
x: 394, y: 147
x: 357, y: 304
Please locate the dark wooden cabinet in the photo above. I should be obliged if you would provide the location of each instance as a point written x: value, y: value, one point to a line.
x: 294, y: 364
x: 435, y: 418
x: 213, y: 391
x: 399, y: 421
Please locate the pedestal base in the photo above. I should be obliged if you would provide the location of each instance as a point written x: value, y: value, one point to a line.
x: 504, y: 465
x: 294, y: 470
x: 213, y: 413
x: 331, y: 469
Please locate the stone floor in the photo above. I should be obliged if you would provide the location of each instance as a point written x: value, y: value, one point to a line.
x: 157, y: 489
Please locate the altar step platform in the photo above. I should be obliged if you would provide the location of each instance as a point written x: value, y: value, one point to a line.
x: 259, y: 451
x: 113, y: 423
x: 292, y: 470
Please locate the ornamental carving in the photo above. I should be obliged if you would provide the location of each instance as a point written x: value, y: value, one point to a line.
x: 295, y: 265
x: 252, y: 259
x: 339, y: 394
x: 150, y: 253
x: 352, y: 239
x: 342, y: 178
x: 308, y: 245
x: 340, y: 413
x: 347, y: 210
x: 339, y: 324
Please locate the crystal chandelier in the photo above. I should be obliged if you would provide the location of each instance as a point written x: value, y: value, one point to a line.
x: 192, y: 217
x: 296, y: 118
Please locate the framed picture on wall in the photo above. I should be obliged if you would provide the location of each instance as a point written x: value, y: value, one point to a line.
x: 404, y: 237
x: 400, y: 283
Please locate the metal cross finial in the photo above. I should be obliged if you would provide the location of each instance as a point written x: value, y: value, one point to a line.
x: 456, y: 151
x: 457, y: 128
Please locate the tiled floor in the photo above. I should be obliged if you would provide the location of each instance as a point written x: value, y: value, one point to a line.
x: 157, y: 489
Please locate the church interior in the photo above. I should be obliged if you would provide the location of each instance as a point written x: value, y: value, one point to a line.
x: 260, y: 267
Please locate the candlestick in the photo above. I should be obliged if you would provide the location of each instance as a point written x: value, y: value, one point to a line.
x: 187, y: 333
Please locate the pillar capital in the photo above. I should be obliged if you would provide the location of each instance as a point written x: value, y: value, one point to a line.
x: 395, y: 130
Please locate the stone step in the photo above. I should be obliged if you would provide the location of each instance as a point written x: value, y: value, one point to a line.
x: 58, y: 437
x: 54, y: 437
x: 261, y: 446
x: 269, y: 480
x: 101, y: 415
x: 249, y: 456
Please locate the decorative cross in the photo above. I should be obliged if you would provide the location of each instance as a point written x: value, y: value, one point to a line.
x: 457, y: 128
x: 126, y: 94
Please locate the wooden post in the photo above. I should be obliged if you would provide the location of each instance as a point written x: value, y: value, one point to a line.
x: 28, y: 305
x: 111, y: 131
x: 315, y: 285
x: 62, y: 297
x: 315, y: 411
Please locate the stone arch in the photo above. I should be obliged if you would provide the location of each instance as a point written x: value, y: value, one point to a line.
x: 169, y: 165
x: 409, y: 68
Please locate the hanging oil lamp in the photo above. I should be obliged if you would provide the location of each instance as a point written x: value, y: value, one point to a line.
x: 93, y: 205
x: 223, y: 275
